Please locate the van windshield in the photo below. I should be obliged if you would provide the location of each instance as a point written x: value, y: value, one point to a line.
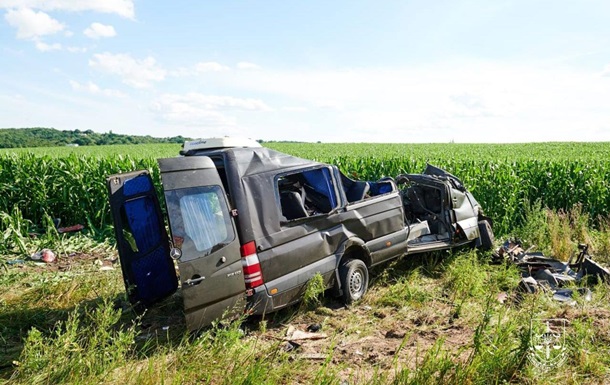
x: 199, y: 220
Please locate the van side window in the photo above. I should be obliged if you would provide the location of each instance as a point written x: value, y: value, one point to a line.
x: 306, y: 193
x: 358, y: 190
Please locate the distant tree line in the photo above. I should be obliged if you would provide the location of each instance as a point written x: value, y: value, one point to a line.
x: 47, y: 137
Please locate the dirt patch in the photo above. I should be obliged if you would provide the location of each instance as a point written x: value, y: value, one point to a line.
x: 374, y: 343
x: 64, y: 262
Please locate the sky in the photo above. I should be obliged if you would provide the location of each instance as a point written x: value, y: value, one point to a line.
x: 332, y: 71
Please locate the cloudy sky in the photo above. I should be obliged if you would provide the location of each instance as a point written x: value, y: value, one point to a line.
x: 334, y: 71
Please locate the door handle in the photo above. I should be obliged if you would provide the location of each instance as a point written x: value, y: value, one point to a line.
x: 194, y: 280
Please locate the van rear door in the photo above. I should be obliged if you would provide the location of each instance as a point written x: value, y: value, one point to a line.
x: 203, y: 229
x: 142, y: 242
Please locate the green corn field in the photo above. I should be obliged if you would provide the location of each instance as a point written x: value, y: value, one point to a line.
x: 69, y: 183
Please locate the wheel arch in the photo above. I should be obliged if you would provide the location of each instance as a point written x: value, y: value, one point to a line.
x: 352, y: 248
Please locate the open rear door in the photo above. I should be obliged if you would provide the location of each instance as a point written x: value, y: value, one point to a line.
x: 142, y: 241
x: 203, y: 230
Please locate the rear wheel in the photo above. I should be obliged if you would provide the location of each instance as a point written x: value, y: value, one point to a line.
x: 486, y: 235
x: 354, y: 277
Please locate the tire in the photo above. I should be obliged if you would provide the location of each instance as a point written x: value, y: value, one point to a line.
x: 486, y: 235
x: 354, y: 277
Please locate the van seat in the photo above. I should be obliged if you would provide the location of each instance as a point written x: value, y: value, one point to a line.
x: 292, y: 205
x: 357, y: 191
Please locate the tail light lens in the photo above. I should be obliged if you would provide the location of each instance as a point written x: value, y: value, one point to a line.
x: 253, y: 275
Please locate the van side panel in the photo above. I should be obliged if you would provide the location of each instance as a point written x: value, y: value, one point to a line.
x: 299, y: 250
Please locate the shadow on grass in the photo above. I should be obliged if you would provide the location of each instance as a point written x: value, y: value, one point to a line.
x: 158, y: 328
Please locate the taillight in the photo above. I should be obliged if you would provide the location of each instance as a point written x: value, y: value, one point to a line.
x: 251, y: 265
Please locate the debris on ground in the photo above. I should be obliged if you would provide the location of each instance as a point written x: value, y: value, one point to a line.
x: 306, y: 344
x: 70, y: 229
x: 299, y: 335
x: 106, y: 264
x: 45, y: 255
x: 314, y: 328
x: 289, y: 346
x: 502, y: 297
x: 547, y: 274
x: 66, y: 229
x: 48, y: 256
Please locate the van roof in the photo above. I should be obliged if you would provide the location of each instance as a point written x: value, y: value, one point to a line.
x: 217, y: 143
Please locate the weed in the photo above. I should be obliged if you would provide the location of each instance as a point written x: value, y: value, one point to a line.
x: 464, y: 277
x: 535, y: 229
x: 313, y: 291
x: 407, y: 291
x: 87, y: 344
x: 601, y: 240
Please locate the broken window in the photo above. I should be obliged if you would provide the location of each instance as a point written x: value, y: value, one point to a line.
x: 306, y: 193
x: 358, y: 190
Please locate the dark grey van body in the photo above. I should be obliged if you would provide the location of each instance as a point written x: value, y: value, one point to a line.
x: 282, y: 219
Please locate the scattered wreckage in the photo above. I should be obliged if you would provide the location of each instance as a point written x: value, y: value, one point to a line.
x: 539, y: 272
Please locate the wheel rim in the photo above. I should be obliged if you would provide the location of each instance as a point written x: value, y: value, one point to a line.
x: 356, y: 284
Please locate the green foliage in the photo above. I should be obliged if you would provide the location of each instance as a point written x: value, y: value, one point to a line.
x: 47, y: 137
x: 535, y: 228
x: 313, y: 291
x: 87, y: 344
x: 72, y: 188
x: 14, y: 231
x: 407, y: 290
x: 465, y: 277
x: 69, y: 183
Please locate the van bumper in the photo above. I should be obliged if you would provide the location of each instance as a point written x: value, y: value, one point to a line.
x: 260, y: 302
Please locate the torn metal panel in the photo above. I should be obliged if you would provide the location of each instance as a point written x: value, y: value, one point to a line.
x: 549, y: 274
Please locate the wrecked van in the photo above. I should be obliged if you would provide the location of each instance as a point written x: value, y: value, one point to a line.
x: 250, y: 226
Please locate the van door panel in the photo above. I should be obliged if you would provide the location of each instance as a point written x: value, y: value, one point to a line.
x: 202, y: 226
x: 142, y: 242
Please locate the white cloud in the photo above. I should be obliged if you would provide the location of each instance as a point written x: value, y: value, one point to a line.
x: 124, y: 8
x: 244, y: 65
x: 199, y: 68
x: 94, y: 89
x: 210, y: 67
x: 204, y: 110
x: 31, y: 24
x: 97, y: 30
x: 76, y: 49
x: 295, y: 109
x: 136, y: 73
x: 181, y: 72
x: 470, y: 101
x: 44, y: 47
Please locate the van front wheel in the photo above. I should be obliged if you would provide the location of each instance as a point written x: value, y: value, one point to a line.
x: 354, y: 280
